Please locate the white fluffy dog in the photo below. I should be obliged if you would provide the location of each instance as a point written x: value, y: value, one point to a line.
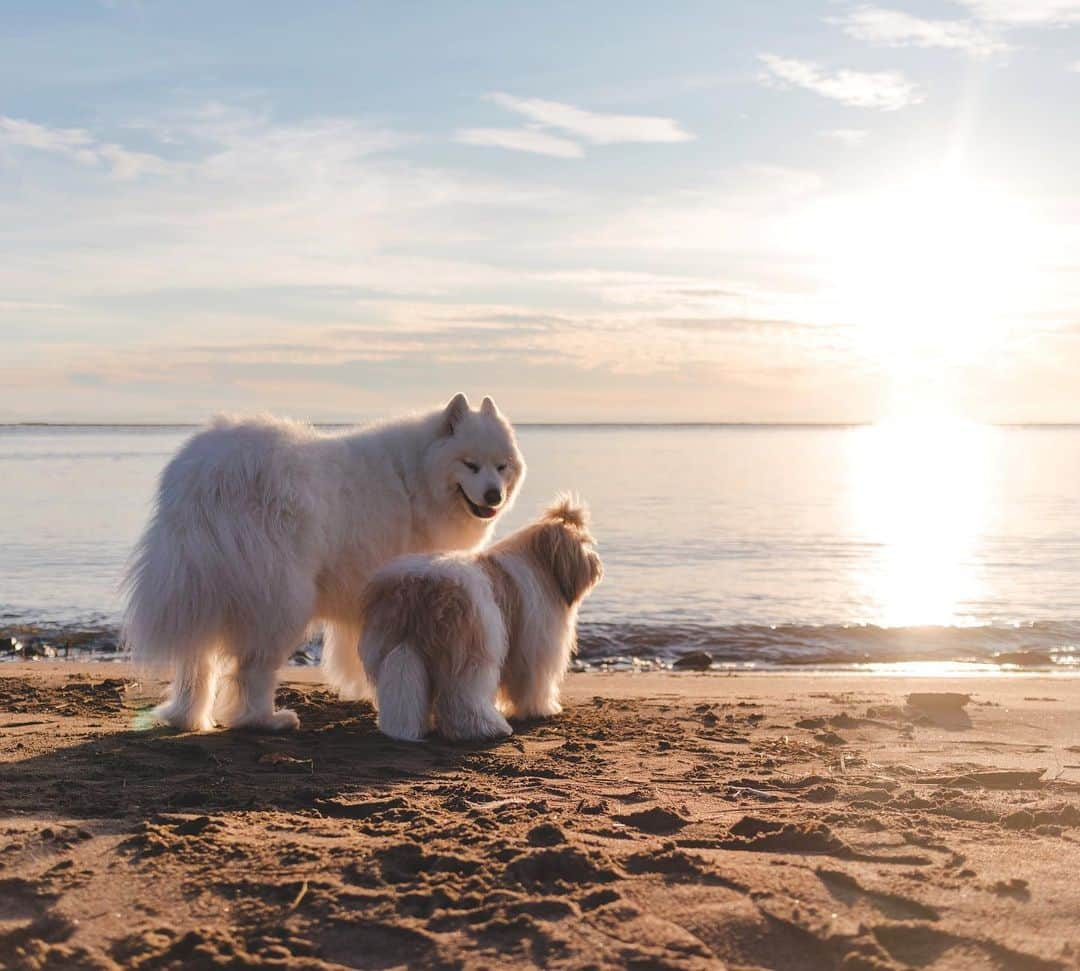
x: 262, y: 526
x: 445, y: 637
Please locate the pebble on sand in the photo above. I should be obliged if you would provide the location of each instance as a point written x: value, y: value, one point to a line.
x: 938, y: 701
x: 694, y: 661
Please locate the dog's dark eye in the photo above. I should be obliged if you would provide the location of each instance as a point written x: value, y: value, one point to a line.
x: 500, y: 468
x: 471, y: 466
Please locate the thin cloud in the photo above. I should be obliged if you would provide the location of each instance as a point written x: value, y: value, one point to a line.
x: 847, y: 136
x: 895, y: 28
x: 881, y: 90
x: 1026, y: 13
x: 704, y: 293
x: 322, y: 202
x: 592, y: 126
x: 80, y: 145
x: 520, y: 140
x: 737, y: 325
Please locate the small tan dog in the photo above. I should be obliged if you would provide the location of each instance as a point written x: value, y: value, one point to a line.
x: 461, y: 640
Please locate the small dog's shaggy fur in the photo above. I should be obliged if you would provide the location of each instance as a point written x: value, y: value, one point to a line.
x: 462, y: 640
x: 263, y: 526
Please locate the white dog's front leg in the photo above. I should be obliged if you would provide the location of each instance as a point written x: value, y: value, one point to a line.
x: 191, y: 695
x: 250, y: 702
x: 341, y: 662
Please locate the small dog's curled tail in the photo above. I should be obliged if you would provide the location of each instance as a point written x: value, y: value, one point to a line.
x: 569, y: 509
x: 404, y: 692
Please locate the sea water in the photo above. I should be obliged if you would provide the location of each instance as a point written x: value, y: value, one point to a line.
x: 761, y: 544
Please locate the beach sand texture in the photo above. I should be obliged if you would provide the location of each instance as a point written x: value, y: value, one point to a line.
x: 663, y: 821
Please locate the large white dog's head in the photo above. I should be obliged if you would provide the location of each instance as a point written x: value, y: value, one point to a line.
x: 475, y: 459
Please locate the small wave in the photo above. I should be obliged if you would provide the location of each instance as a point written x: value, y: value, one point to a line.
x: 832, y: 644
x: 1048, y: 644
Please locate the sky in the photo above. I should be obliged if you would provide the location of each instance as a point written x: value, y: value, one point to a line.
x: 612, y: 211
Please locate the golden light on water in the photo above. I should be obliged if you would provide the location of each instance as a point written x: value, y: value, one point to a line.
x: 919, y: 496
x: 930, y: 272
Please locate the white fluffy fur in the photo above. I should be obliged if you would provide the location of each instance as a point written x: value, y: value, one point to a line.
x: 460, y: 641
x: 263, y: 526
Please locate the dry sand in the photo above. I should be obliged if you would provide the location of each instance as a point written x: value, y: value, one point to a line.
x: 663, y: 821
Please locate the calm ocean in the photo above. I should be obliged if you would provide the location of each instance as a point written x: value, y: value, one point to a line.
x: 761, y: 544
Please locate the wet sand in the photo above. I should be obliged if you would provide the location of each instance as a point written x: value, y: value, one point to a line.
x: 663, y: 821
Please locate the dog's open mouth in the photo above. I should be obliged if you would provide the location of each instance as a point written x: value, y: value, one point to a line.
x: 480, y: 512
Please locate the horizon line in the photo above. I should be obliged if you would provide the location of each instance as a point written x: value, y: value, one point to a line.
x: 548, y: 424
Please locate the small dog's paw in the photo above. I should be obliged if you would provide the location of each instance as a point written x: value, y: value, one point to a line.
x: 546, y: 709
x: 478, y: 727
x: 494, y: 726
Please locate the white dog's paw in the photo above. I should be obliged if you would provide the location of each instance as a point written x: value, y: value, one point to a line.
x: 282, y: 720
x: 181, y: 717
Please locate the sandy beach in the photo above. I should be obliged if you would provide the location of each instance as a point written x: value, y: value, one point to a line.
x: 791, y: 820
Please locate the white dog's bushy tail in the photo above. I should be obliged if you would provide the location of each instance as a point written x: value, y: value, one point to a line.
x: 166, y: 619
x: 404, y: 692
x: 167, y: 623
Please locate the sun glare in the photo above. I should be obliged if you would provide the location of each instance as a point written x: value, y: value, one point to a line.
x: 919, y: 491
x: 930, y: 270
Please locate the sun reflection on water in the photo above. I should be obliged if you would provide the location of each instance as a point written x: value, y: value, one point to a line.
x: 919, y: 495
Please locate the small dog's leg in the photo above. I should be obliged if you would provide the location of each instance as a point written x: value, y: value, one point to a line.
x: 532, y: 680
x: 464, y: 719
x: 525, y: 694
x: 191, y: 695
x: 465, y: 709
x: 540, y: 701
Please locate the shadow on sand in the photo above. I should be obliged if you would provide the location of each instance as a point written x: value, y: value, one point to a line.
x: 145, y: 770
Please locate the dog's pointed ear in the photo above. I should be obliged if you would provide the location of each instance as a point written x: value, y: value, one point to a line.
x: 456, y: 409
x: 489, y: 409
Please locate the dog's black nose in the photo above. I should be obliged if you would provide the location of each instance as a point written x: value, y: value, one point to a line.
x: 493, y: 497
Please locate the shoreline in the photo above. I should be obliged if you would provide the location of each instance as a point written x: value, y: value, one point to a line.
x: 1039, y: 648
x: 642, y: 682
x: 307, y: 671
x: 782, y: 820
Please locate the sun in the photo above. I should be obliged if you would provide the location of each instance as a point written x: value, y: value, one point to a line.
x: 931, y: 270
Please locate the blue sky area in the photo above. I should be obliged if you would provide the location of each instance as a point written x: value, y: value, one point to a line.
x: 815, y: 211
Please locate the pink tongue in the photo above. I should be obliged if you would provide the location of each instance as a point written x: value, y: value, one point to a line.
x: 486, y: 511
